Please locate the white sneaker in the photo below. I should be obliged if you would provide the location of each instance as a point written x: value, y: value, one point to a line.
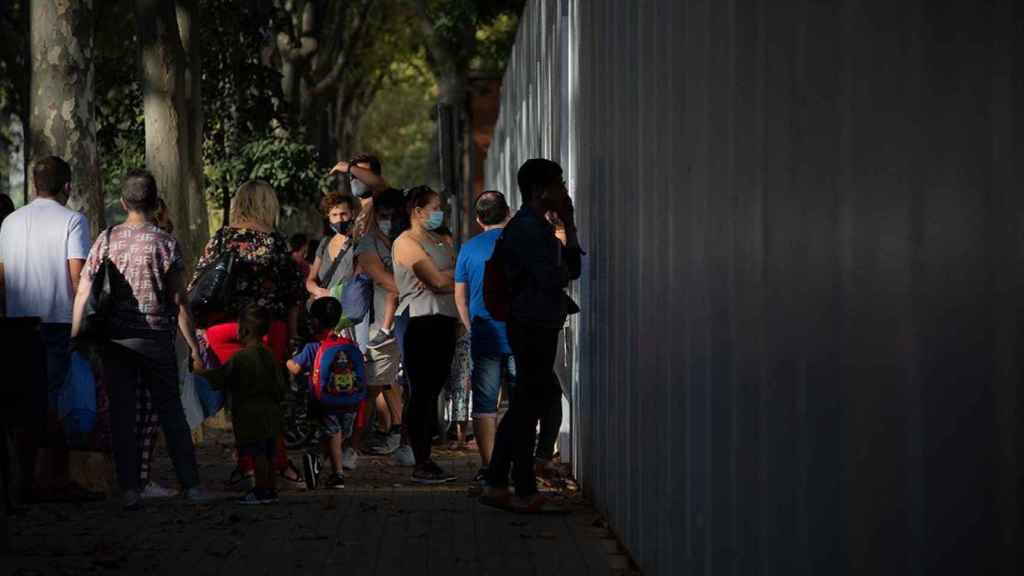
x: 349, y: 458
x: 198, y: 494
x: 403, y: 456
x: 154, y: 490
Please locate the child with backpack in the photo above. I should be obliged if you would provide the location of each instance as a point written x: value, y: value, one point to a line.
x: 256, y: 386
x: 337, y: 386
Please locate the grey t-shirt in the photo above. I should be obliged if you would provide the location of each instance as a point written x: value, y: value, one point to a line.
x: 342, y: 272
x: 374, y: 244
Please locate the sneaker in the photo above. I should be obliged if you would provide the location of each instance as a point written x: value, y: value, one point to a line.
x: 403, y: 456
x: 255, y: 497
x: 431, y: 473
x: 154, y: 490
x: 310, y: 470
x: 197, y: 494
x: 349, y: 458
x: 336, y: 481
x: 383, y: 338
x: 131, y: 500
x: 380, y: 444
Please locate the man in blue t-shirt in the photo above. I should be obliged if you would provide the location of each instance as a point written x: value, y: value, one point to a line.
x: 492, y: 357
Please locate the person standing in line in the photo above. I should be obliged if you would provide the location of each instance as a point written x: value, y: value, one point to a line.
x: 424, y: 273
x: 149, y: 309
x: 364, y: 174
x: 264, y: 275
x: 43, y: 247
x: 147, y: 422
x: 373, y: 253
x: 257, y: 384
x: 538, y: 267
x: 333, y: 267
x: 489, y: 349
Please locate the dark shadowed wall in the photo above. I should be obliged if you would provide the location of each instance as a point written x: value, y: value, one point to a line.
x: 800, y: 347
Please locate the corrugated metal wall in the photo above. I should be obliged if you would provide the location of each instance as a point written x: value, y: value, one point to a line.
x: 800, y: 339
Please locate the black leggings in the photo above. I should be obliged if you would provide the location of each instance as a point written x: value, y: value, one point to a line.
x: 429, y: 347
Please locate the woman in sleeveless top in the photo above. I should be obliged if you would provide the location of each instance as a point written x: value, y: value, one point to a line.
x: 424, y: 264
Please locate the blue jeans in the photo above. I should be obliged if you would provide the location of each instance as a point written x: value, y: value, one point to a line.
x: 489, y: 370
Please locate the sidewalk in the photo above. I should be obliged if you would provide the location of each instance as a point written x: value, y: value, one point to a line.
x: 379, y: 524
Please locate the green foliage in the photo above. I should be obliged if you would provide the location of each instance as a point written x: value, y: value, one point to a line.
x: 478, y: 34
x: 290, y: 167
x: 398, y: 127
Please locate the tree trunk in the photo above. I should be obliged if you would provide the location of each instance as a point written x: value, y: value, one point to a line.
x: 197, y: 225
x: 163, y: 62
x: 62, y: 114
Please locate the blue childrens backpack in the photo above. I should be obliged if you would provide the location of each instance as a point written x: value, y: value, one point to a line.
x: 338, y: 378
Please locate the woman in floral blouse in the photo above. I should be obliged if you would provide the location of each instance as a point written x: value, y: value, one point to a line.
x: 264, y: 275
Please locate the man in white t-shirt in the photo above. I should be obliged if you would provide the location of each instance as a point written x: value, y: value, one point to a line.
x: 43, y: 247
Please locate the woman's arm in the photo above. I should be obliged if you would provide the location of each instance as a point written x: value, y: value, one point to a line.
x: 372, y: 265
x: 410, y: 254
x: 185, y: 323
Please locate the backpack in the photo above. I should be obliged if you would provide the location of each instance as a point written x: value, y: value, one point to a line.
x: 497, y: 296
x: 338, y: 379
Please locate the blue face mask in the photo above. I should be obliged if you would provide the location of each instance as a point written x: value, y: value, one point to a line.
x: 435, y: 220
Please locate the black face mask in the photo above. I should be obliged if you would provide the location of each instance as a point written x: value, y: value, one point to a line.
x: 341, y: 227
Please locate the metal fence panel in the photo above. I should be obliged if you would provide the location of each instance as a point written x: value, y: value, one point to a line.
x: 798, y: 352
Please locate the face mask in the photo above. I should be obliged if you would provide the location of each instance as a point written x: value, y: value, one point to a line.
x: 385, y: 227
x: 434, y: 221
x: 361, y: 190
x: 341, y: 227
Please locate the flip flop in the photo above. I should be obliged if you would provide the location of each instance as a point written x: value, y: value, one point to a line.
x: 536, y: 504
x: 500, y: 499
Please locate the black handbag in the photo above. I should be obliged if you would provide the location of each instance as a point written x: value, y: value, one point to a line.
x: 96, y: 313
x: 213, y: 289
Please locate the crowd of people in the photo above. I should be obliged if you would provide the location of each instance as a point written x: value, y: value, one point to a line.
x: 372, y: 383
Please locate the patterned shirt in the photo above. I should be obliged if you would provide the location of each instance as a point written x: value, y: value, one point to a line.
x: 146, y: 258
x: 264, y: 273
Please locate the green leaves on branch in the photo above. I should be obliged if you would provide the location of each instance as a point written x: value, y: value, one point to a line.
x: 289, y: 166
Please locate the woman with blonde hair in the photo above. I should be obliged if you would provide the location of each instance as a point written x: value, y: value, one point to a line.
x: 264, y: 275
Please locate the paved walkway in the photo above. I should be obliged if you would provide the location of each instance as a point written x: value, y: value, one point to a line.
x: 379, y: 524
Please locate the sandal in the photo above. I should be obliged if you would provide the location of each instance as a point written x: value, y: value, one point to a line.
x: 294, y: 478
x: 237, y: 477
x: 536, y: 504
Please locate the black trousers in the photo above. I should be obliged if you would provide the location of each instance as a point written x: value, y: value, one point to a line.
x: 429, y: 347
x: 536, y: 392
x: 125, y: 371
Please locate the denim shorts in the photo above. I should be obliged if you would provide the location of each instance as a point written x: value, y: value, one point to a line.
x: 489, y: 371
x: 332, y: 423
x: 267, y: 447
